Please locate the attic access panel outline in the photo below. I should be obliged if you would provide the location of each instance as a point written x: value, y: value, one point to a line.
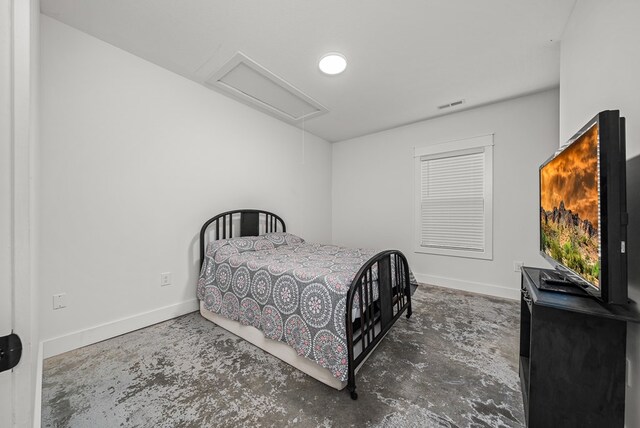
x: 250, y: 83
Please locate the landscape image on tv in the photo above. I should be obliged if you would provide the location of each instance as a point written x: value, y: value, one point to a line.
x: 569, y: 211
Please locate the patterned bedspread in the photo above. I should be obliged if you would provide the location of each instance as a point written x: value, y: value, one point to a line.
x: 295, y: 292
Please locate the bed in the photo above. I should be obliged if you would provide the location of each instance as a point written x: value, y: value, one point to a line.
x: 321, y: 308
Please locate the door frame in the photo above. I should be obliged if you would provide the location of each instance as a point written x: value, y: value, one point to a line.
x: 21, y: 137
x: 6, y: 198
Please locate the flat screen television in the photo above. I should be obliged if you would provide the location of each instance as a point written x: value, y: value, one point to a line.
x: 583, y: 209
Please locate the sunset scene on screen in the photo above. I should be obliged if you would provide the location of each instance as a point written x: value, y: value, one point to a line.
x: 569, y: 207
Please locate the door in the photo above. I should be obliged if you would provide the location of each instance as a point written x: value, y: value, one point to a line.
x: 6, y: 297
x: 18, y: 131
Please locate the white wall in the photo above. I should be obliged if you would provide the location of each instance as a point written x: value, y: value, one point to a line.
x: 599, y: 70
x: 373, y: 199
x: 133, y: 160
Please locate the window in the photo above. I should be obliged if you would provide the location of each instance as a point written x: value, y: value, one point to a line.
x: 454, y: 188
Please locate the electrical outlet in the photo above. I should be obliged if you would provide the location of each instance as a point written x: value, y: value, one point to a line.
x: 165, y: 279
x: 59, y: 301
x: 517, y: 265
x: 628, y: 373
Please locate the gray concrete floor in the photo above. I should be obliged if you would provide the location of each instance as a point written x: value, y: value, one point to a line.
x: 453, y: 364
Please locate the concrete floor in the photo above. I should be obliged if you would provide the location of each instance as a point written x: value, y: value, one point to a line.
x: 453, y: 364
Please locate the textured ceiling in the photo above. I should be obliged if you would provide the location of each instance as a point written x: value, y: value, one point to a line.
x: 405, y: 57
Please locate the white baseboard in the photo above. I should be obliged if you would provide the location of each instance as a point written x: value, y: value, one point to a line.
x: 474, y: 287
x: 80, y: 338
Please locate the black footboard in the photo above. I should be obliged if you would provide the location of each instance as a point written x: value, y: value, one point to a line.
x: 377, y: 312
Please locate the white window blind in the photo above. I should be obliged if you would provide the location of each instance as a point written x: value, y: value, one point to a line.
x: 454, y: 198
x: 452, y: 201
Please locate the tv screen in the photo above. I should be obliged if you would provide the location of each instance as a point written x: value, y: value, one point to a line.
x: 583, y: 214
x: 570, y: 209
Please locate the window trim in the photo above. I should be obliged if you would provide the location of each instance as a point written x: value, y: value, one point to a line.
x: 452, y: 148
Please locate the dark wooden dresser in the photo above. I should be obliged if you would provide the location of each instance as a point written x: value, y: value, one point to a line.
x: 572, y: 357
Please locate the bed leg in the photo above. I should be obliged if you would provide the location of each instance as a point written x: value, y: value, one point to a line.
x: 409, y: 311
x: 352, y: 391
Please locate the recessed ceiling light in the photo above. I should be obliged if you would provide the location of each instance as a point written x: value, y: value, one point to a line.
x: 332, y: 63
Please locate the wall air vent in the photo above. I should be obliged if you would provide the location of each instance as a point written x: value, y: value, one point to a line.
x: 453, y: 104
x: 249, y: 82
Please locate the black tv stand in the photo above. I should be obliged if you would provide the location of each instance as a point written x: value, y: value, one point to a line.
x: 572, y: 357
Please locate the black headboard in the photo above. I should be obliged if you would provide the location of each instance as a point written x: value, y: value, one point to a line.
x: 240, y: 223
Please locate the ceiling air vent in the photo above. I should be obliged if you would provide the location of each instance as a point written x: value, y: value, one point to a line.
x: 453, y: 104
x: 249, y: 82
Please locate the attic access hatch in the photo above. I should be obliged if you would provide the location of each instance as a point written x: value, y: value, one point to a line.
x: 250, y: 83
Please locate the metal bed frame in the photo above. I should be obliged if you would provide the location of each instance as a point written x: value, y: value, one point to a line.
x: 376, y: 315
